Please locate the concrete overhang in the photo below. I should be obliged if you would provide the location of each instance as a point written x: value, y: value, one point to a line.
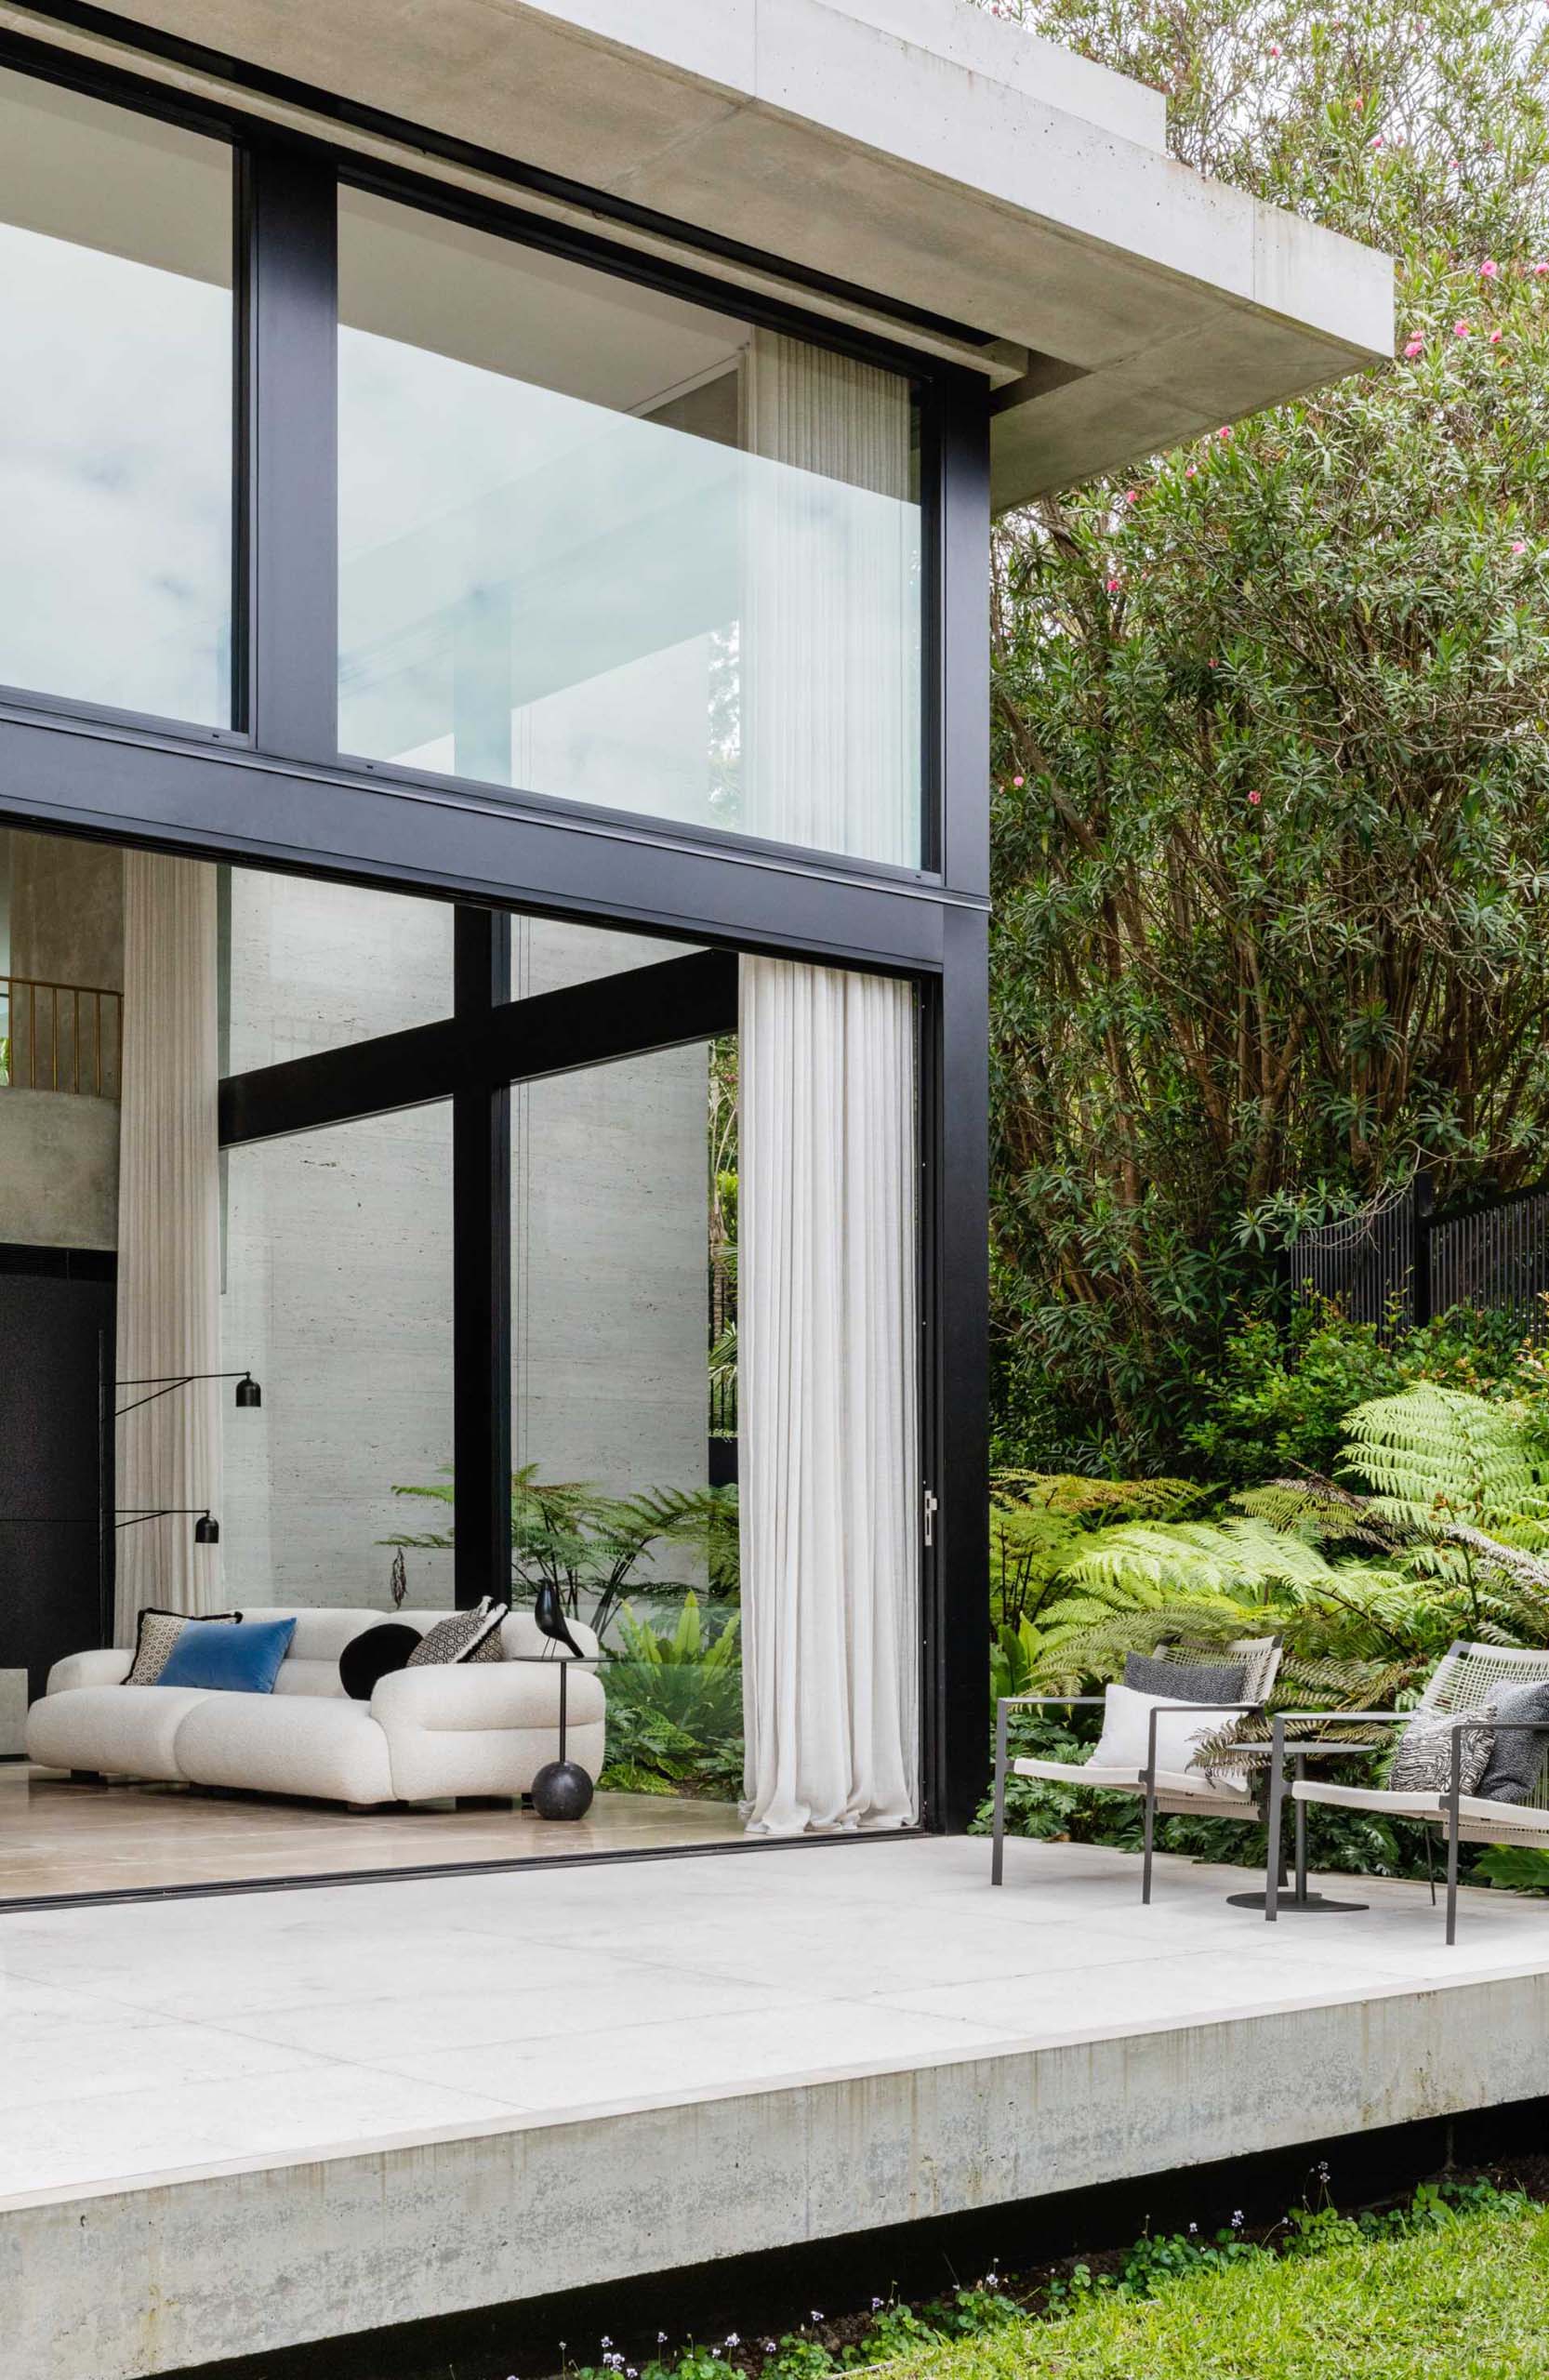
x: 942, y: 158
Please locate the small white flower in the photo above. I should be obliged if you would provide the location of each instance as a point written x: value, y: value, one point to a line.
x: 661, y: 2338
x: 815, y: 2315
x: 1237, y: 2220
x: 876, y: 2305
x: 732, y: 2339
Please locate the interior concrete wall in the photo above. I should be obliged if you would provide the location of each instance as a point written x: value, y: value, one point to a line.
x: 59, y: 1169
x: 337, y: 1255
x: 58, y: 1150
x: 66, y: 910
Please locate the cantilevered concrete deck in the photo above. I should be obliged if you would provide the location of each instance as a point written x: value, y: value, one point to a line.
x: 227, y: 2126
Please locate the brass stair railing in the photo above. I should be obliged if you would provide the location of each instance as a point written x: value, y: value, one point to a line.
x: 60, y: 1037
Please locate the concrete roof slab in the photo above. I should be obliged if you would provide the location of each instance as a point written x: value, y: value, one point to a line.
x: 930, y: 153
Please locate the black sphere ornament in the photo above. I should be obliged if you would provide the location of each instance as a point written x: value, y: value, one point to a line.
x: 562, y: 1790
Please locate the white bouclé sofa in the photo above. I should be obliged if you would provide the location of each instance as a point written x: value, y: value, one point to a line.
x: 469, y: 1728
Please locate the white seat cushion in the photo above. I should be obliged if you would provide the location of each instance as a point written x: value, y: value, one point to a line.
x: 328, y: 1748
x: 1193, y: 1783
x: 122, y: 1730
x: 1075, y: 1772
x: 1512, y: 1814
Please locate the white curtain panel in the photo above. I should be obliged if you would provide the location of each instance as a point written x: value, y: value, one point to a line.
x: 168, y: 1452
x: 830, y: 727
x: 825, y: 1257
x: 827, y: 1399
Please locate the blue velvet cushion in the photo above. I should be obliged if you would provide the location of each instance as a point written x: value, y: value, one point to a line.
x: 231, y: 1660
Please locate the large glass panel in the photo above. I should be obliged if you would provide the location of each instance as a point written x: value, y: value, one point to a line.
x: 115, y: 406
x: 600, y: 544
x: 338, y: 1298
x: 623, y: 1405
x: 309, y: 966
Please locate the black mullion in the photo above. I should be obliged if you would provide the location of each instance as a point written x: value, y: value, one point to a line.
x: 955, y: 1130
x: 660, y: 1007
x: 481, y: 1270
x: 290, y: 451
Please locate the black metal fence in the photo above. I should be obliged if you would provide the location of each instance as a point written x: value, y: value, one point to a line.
x: 1401, y: 1260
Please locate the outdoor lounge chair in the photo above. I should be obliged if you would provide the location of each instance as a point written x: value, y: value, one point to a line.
x: 1460, y: 1686
x: 1183, y: 1794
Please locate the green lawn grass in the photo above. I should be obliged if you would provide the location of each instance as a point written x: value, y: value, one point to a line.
x: 1469, y: 2301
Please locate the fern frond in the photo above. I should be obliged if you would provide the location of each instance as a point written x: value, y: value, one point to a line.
x: 1432, y: 1450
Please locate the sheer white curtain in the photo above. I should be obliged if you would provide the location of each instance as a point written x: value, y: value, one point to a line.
x: 168, y: 1232
x: 827, y: 1399
x: 830, y: 727
x: 827, y: 1284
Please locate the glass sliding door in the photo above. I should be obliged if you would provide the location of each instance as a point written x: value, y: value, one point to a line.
x: 620, y: 1493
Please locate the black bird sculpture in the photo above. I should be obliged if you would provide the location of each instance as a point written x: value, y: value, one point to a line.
x: 549, y: 1613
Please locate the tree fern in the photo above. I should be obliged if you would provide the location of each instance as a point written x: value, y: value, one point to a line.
x: 1438, y: 1453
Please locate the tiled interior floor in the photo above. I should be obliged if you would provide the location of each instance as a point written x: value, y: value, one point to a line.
x: 153, y: 2038
x: 57, y: 1837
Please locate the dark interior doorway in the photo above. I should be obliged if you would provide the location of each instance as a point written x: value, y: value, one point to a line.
x: 56, y: 1333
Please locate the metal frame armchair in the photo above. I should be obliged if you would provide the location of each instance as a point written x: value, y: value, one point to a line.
x: 1182, y: 1793
x: 1459, y: 1688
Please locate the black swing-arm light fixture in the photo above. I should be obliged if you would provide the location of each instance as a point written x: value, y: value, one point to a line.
x: 206, y: 1529
x: 248, y: 1392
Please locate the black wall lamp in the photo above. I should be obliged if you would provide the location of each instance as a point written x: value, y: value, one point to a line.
x: 206, y: 1528
x: 248, y: 1392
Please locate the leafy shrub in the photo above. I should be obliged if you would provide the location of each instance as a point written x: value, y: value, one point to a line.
x: 1278, y: 1397
x: 675, y: 1706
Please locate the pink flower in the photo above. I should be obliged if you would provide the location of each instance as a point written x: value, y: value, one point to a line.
x: 1132, y: 496
x: 1496, y: 337
x: 1274, y: 49
x: 1540, y: 270
x: 1225, y: 433
x: 1114, y: 585
x: 1358, y: 105
x: 1255, y: 798
x: 1019, y: 783
x: 1519, y: 545
x: 1376, y: 140
x: 1455, y: 166
x: 1416, y: 347
x: 1462, y: 330
x: 1210, y: 664
x: 1488, y: 269
x: 1190, y: 470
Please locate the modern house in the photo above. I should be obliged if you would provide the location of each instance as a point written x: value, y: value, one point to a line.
x: 494, y: 756
x: 495, y: 596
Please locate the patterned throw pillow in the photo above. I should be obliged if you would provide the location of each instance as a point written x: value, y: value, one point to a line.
x: 155, y: 1633
x: 1186, y: 1681
x: 1422, y: 1758
x: 462, y: 1636
x: 1516, y: 1757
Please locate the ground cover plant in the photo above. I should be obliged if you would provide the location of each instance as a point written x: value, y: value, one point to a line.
x: 1450, y: 2280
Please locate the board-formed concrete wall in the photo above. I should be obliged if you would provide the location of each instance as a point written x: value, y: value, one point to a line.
x: 59, y: 1149
x: 59, y: 1169
x: 338, y: 1272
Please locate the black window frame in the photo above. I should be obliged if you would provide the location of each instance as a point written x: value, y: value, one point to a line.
x: 274, y: 792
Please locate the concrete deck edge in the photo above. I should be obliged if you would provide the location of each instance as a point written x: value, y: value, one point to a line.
x: 148, y: 2279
